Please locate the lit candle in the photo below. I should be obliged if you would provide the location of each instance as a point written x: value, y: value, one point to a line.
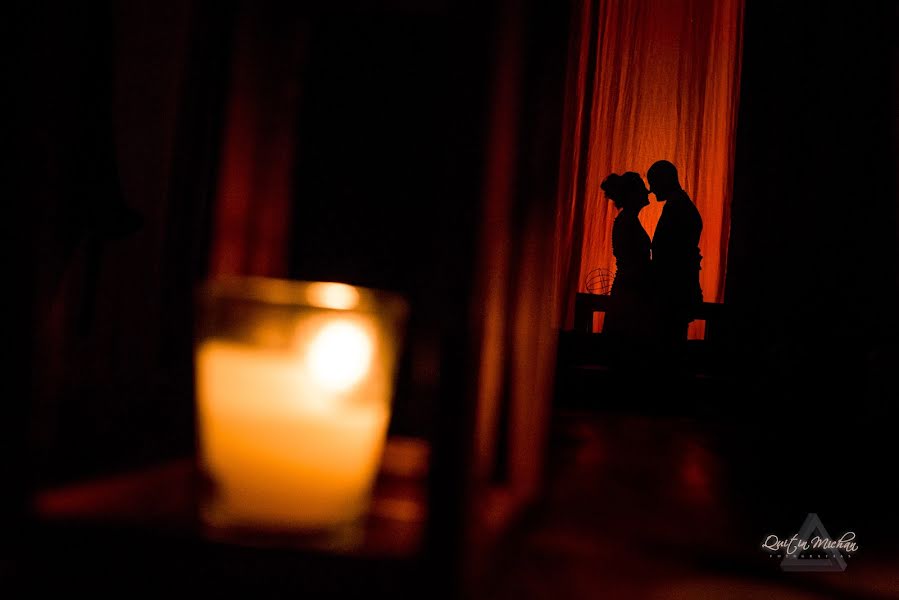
x: 293, y: 395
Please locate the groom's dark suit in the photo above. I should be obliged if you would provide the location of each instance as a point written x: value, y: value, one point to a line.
x: 675, y: 259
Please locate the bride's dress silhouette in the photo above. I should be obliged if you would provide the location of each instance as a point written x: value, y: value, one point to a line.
x: 629, y: 316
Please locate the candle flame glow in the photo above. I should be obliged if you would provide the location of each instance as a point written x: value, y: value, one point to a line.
x: 340, y: 355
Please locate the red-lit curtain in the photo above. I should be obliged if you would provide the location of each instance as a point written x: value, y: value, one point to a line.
x: 649, y: 80
x: 252, y: 216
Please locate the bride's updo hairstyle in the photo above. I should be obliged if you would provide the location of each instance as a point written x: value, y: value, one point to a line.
x: 620, y: 189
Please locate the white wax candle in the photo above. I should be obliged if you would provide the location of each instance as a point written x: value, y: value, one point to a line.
x: 292, y: 438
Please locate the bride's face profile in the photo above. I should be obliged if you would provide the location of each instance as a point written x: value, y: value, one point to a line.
x: 638, y: 198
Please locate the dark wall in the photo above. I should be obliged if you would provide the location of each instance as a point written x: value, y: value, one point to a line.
x: 812, y: 266
x: 99, y: 106
x: 371, y: 169
x: 811, y: 283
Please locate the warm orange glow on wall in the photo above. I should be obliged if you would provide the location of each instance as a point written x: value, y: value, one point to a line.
x: 650, y: 80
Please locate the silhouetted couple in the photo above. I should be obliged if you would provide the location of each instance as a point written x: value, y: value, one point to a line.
x: 656, y: 288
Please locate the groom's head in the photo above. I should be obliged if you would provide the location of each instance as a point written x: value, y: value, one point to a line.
x: 662, y: 176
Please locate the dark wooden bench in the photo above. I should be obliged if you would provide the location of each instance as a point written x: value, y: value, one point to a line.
x: 586, y: 305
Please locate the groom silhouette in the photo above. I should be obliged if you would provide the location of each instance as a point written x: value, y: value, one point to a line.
x: 675, y: 253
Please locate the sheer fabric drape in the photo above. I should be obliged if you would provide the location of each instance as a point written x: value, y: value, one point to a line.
x: 649, y: 80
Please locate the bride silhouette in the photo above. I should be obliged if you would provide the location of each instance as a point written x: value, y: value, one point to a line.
x: 629, y: 317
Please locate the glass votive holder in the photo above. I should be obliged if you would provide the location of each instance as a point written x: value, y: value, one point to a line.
x: 294, y: 383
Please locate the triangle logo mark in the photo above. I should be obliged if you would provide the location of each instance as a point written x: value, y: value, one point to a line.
x: 810, y: 528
